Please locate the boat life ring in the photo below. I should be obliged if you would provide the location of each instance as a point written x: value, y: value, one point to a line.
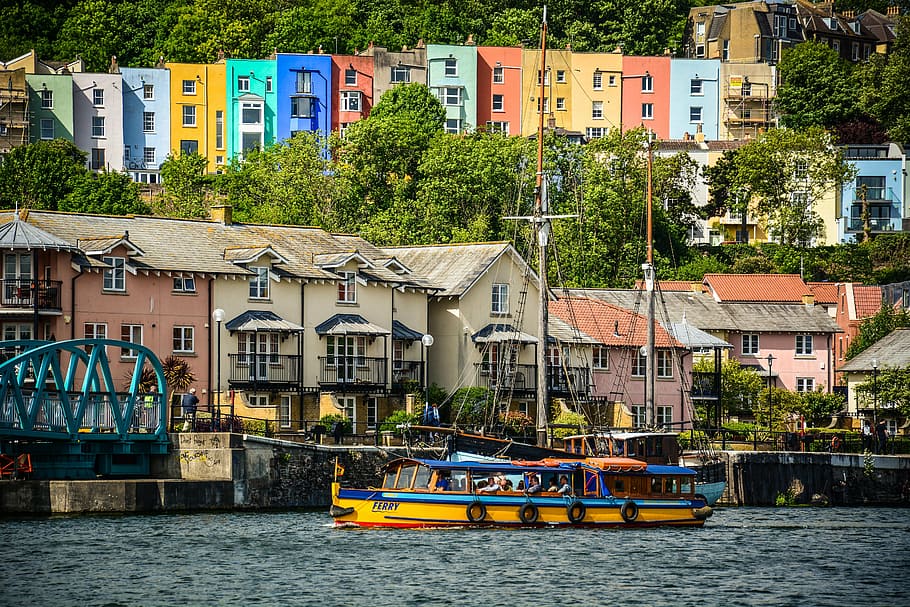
x: 576, y: 512
x: 476, y: 512
x: 629, y: 511
x: 835, y: 443
x: 528, y: 513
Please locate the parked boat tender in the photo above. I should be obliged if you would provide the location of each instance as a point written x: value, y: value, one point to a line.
x: 603, y: 492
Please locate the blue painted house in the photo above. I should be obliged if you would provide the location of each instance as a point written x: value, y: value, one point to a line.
x: 304, y: 94
x: 146, y: 121
x: 251, y: 104
x: 694, y: 98
x: 880, y: 184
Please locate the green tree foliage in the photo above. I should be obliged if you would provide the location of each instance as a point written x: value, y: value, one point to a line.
x: 27, y: 24
x: 414, y: 102
x: 740, y: 387
x: 882, y: 84
x: 873, y: 329
x: 819, y: 406
x: 889, y: 390
x: 40, y: 175
x: 816, y: 88
x: 106, y: 193
x: 325, y: 24
x: 785, y: 407
x: 186, y: 187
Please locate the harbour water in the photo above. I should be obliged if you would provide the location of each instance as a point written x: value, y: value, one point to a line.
x: 743, y: 556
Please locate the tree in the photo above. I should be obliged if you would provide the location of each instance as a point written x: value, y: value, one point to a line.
x: 819, y: 406
x: 873, y: 329
x: 414, y: 102
x: 786, y: 172
x: 40, y: 175
x: 106, y: 193
x: 882, y: 83
x: 186, y: 186
x: 889, y: 390
x: 740, y: 387
x: 816, y: 88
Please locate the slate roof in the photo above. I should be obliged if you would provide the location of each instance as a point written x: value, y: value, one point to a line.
x: 18, y: 235
x: 404, y: 332
x: 782, y: 288
x: 207, y: 247
x: 673, y: 285
x: 609, y: 324
x: 454, y: 268
x: 261, y: 320
x: 559, y: 330
x: 495, y: 332
x: 349, y: 324
x: 880, y: 26
x: 868, y: 300
x: 693, y: 337
x: 893, y: 350
x: 708, y: 315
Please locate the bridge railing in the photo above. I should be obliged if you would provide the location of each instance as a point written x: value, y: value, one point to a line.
x: 97, y: 413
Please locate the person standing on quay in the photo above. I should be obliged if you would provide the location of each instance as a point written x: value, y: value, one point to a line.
x: 189, y: 404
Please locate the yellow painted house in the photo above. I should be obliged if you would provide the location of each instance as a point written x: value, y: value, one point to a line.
x: 557, y: 104
x: 199, y: 111
x: 596, y: 80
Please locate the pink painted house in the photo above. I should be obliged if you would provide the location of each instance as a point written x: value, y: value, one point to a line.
x: 646, y: 94
x: 499, y: 89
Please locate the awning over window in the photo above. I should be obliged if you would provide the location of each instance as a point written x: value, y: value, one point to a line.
x: 262, y: 320
x: 402, y: 331
x: 349, y: 324
x: 502, y: 333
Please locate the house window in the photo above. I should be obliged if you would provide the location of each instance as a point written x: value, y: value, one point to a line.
x: 597, y: 110
x: 372, y: 412
x: 725, y: 51
x: 499, y: 75
x: 189, y: 115
x: 400, y: 74
x: 189, y: 87
x: 189, y: 146
x: 750, y: 344
x: 451, y: 68
x: 98, y: 97
x: 258, y: 400
x: 640, y: 364
x: 638, y: 416
x: 560, y: 104
x: 600, y: 358
x: 243, y: 84
x: 284, y: 411
x: 872, y: 187
x: 185, y: 284
x: 115, y: 275
x: 546, y: 78
x: 801, y: 170
x: 348, y: 406
x: 304, y: 82
x: 251, y: 113
x: 47, y: 99
x: 647, y: 84
x: 97, y: 161
x: 148, y: 122
x: 664, y: 415
x: 495, y: 126
x: 302, y: 107
x: 664, y: 364
x: 94, y: 330
x: 598, y: 82
x: 184, y: 339
x: 498, y: 103
x: 259, y: 284
x: 611, y: 80
x: 560, y: 76
x: 148, y: 155
x: 258, y: 351
x: 804, y: 345
x: 805, y: 384
x: 219, y: 129
x: 350, y: 101
x: 695, y: 114
x: 595, y: 132
x: 647, y: 111
x: 268, y: 84
x: 347, y: 288
x: 97, y: 126
x: 350, y: 77
x: 500, y: 299
x: 546, y: 105
x: 696, y: 87
x: 148, y: 92
x: 47, y: 128
x: 397, y: 354
x: 132, y: 334
x: 449, y: 95
x: 453, y: 126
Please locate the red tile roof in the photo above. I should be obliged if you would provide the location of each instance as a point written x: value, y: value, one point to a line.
x: 776, y: 288
x: 673, y: 285
x: 609, y: 324
x: 825, y: 292
x: 868, y: 300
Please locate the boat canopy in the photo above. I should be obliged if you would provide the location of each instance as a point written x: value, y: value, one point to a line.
x: 606, y: 464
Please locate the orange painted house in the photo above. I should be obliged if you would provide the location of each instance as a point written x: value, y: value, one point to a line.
x: 646, y: 94
x: 499, y: 89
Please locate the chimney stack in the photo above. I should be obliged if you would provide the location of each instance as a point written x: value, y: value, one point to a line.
x: 223, y: 214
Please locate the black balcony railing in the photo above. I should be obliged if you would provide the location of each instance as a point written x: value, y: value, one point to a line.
x: 876, y: 224
x: 568, y: 380
x: 407, y: 375
x: 263, y: 371
x: 704, y: 385
x: 350, y: 373
x: 22, y: 293
x: 519, y: 378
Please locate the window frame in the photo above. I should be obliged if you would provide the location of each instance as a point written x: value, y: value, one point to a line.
x: 188, y: 114
x: 347, y: 288
x: 753, y: 346
x: 148, y: 122
x: 697, y: 87
x: 597, y: 110
x: 805, y: 345
x: 259, y: 283
x: 499, y: 299
x: 664, y: 364
x: 805, y: 384
x: 46, y: 127
x: 47, y: 99
x: 148, y: 92
x: 647, y: 111
x: 499, y: 75
x: 189, y: 87
x: 127, y: 333
x: 597, y: 80
x: 647, y: 83
x: 183, y: 335
x: 184, y: 284
x: 98, y: 125
x: 98, y: 97
x: 243, y: 84
x: 600, y: 358
x: 114, y: 278
x: 696, y: 114
x: 350, y: 77
x: 450, y: 67
x: 498, y: 102
x: 350, y: 101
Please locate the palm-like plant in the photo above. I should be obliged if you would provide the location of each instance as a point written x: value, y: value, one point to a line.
x: 178, y: 375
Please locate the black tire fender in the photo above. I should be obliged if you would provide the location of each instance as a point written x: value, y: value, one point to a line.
x: 629, y: 511
x: 528, y: 513
x: 476, y: 511
x: 576, y: 511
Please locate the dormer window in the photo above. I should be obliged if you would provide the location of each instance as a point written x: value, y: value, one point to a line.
x: 115, y: 276
x: 259, y: 284
x: 347, y: 288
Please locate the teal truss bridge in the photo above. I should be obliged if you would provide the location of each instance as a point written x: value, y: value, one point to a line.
x: 63, y: 412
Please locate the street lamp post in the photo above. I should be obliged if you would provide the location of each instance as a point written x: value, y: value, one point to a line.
x: 218, y: 317
x: 427, y: 341
x: 874, y: 392
x: 770, y: 401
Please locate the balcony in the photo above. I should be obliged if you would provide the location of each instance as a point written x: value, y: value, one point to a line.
x: 568, y: 381
x: 515, y: 378
x: 352, y: 373
x: 407, y: 376
x: 264, y: 372
x: 876, y: 224
x: 24, y: 293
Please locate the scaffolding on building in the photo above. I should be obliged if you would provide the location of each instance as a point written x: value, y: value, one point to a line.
x: 747, y: 110
x: 13, y: 110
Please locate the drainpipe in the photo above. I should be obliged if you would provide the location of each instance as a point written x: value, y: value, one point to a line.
x: 301, y: 342
x: 209, y: 323
x: 73, y: 303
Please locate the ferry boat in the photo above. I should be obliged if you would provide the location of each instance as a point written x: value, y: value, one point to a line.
x: 596, y: 492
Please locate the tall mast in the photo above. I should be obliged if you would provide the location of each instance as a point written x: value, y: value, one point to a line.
x: 648, y: 267
x: 541, y: 222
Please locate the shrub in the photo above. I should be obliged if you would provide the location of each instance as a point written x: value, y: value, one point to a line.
x: 328, y: 421
x: 391, y: 423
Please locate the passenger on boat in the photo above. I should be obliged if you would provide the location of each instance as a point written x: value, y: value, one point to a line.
x: 505, y: 484
x: 492, y: 486
x: 534, y: 483
x: 564, y: 487
x: 443, y: 483
x: 553, y: 486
